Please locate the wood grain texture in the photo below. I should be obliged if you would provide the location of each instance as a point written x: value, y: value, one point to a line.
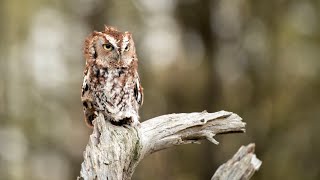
x: 113, y: 152
x: 241, y: 166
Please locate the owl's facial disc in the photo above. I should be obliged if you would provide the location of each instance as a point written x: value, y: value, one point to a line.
x: 114, y: 49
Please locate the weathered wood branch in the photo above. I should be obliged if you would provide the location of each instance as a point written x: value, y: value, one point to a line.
x: 113, y: 152
x: 242, y: 165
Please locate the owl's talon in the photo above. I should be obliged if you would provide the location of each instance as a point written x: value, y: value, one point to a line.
x: 138, y: 125
x: 126, y: 126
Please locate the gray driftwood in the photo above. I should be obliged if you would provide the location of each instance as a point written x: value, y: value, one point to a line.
x: 113, y: 152
x: 241, y: 166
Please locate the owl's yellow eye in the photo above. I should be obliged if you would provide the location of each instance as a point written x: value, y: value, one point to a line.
x: 108, y: 47
x: 127, y: 48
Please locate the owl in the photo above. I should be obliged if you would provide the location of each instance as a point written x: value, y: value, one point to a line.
x: 111, y: 83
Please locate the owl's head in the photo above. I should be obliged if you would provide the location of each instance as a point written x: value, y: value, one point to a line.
x: 110, y: 48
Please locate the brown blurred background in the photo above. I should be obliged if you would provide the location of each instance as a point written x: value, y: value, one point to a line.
x: 259, y: 59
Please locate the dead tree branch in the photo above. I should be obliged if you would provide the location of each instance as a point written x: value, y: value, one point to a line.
x: 242, y: 165
x: 113, y: 152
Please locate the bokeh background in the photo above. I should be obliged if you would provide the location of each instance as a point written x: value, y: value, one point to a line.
x: 259, y: 59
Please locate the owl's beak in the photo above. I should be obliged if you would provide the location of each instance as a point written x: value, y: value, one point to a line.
x: 119, y: 56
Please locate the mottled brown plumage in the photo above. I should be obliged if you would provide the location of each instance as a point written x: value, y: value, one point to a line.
x: 111, y: 83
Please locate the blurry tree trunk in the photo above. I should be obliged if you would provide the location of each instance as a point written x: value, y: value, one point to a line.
x: 197, y: 16
x: 113, y: 152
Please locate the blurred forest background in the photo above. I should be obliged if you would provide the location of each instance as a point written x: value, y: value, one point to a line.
x: 259, y: 59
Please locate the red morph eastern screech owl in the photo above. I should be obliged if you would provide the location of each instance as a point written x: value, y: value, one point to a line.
x: 111, y: 83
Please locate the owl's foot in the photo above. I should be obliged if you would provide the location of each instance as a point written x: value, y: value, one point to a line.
x: 129, y: 121
x: 89, y: 117
x: 137, y: 125
x: 125, y: 121
x: 135, y: 122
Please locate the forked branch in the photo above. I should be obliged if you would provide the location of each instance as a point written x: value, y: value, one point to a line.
x: 113, y: 152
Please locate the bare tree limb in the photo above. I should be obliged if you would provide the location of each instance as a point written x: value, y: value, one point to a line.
x: 113, y: 152
x: 242, y: 165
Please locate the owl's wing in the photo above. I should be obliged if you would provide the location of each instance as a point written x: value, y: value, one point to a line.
x: 87, y: 100
x: 138, y: 92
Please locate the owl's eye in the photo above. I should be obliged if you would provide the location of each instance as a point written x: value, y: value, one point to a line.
x: 127, y: 48
x: 108, y: 47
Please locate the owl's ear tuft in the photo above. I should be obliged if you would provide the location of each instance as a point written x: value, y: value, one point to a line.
x: 106, y: 28
x: 127, y: 33
x: 109, y: 28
